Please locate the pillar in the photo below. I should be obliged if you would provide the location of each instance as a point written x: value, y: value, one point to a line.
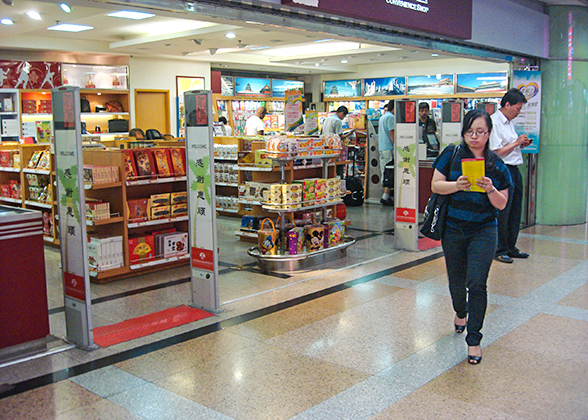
x: 562, y: 169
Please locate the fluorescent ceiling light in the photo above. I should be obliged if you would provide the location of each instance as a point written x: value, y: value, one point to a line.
x: 128, y: 14
x: 344, y: 61
x: 259, y: 48
x: 6, y: 21
x: 324, y: 40
x: 65, y: 7
x: 230, y: 35
x: 69, y: 27
x: 434, y: 55
x: 34, y: 15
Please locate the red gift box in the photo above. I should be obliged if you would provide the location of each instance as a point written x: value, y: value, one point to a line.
x: 141, y: 249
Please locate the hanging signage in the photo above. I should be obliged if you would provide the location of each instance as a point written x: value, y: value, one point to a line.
x: 293, y: 116
x: 529, y: 120
x: 201, y: 199
x: 384, y: 86
x: 406, y: 181
x: 481, y: 82
x: 311, y: 123
x: 430, y: 16
x: 430, y: 85
x: 72, y: 214
x: 279, y: 87
x: 342, y: 88
x: 29, y: 75
x: 247, y: 86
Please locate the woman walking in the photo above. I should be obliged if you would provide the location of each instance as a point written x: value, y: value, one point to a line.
x: 470, y: 237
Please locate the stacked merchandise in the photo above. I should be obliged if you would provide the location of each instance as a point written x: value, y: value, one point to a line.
x: 105, y: 252
x: 158, y: 206
x: 304, y: 192
x: 10, y: 158
x: 305, y: 231
x: 97, y: 209
x: 29, y: 106
x: 44, y: 106
x: 40, y: 160
x: 39, y: 188
x: 94, y: 174
x: 154, y: 163
x: 48, y: 223
x: 159, y: 244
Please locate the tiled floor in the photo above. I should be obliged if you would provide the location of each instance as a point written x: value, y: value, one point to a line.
x: 367, y: 337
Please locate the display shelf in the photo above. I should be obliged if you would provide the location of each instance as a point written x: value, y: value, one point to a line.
x: 36, y: 171
x: 39, y: 204
x: 6, y: 169
x: 225, y: 159
x: 156, y: 222
x: 102, y: 186
x: 249, y: 202
x: 112, y: 272
x: 258, y: 168
x: 11, y: 200
x: 241, y: 233
x: 159, y: 261
x: 102, y: 222
x: 225, y: 184
x: 274, y: 208
x: 235, y: 211
x: 155, y: 181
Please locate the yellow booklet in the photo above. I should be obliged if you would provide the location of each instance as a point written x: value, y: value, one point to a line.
x: 473, y: 169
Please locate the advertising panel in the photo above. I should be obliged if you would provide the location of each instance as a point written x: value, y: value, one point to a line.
x: 529, y: 120
x: 247, y: 86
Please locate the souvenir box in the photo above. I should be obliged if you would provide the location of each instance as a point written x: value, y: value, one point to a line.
x: 141, y: 249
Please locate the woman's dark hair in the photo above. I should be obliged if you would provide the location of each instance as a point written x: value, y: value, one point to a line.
x: 222, y: 120
x: 474, y: 114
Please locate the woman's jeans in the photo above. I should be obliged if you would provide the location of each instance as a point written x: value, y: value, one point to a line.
x: 468, y: 257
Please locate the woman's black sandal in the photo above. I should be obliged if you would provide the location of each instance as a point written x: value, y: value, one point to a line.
x: 474, y: 360
x: 459, y: 328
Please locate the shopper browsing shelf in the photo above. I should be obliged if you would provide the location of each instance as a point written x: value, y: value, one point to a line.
x: 386, y: 146
x: 507, y: 144
x: 333, y: 124
x: 254, y: 125
x: 470, y: 236
x: 226, y: 127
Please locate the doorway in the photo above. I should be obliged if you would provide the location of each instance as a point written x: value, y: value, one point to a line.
x: 152, y: 110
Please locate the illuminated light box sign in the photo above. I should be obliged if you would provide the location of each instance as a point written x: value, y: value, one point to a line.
x: 482, y: 82
x: 342, y: 88
x: 431, y: 85
x: 279, y: 87
x: 384, y: 86
x: 247, y: 86
x: 429, y: 16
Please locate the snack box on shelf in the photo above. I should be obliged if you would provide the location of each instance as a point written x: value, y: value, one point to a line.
x: 141, y: 249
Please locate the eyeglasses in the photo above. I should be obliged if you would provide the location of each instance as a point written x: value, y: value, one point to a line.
x: 478, y: 133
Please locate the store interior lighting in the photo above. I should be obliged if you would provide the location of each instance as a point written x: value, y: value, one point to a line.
x: 69, y: 27
x: 65, y: 7
x: 128, y: 14
x: 34, y: 15
x: 6, y: 21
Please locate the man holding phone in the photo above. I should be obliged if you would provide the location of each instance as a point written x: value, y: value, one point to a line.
x: 505, y: 141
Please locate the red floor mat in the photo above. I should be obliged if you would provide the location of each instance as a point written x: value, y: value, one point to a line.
x: 428, y: 243
x: 147, y: 324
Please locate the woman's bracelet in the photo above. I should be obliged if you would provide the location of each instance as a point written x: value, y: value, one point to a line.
x: 493, y: 189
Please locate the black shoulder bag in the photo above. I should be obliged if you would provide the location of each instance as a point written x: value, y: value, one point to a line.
x: 436, y: 211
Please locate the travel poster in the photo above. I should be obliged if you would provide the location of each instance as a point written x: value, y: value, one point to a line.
x: 430, y: 85
x: 279, y: 87
x: 482, y: 82
x: 342, y: 88
x: 227, y: 86
x: 294, y: 119
x: 384, y: 86
x: 247, y: 86
x: 529, y: 120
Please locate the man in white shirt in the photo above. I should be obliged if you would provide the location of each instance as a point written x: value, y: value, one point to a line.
x: 505, y: 141
x: 254, y: 125
x: 333, y: 124
x: 386, y: 148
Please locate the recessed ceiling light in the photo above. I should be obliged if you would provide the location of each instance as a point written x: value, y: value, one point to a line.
x: 344, y: 61
x: 230, y: 35
x: 65, y: 7
x: 324, y: 40
x: 129, y: 14
x: 6, y: 21
x: 34, y: 15
x: 434, y: 55
x: 317, y: 64
x: 69, y: 27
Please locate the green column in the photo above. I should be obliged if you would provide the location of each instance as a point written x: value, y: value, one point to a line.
x: 562, y: 170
